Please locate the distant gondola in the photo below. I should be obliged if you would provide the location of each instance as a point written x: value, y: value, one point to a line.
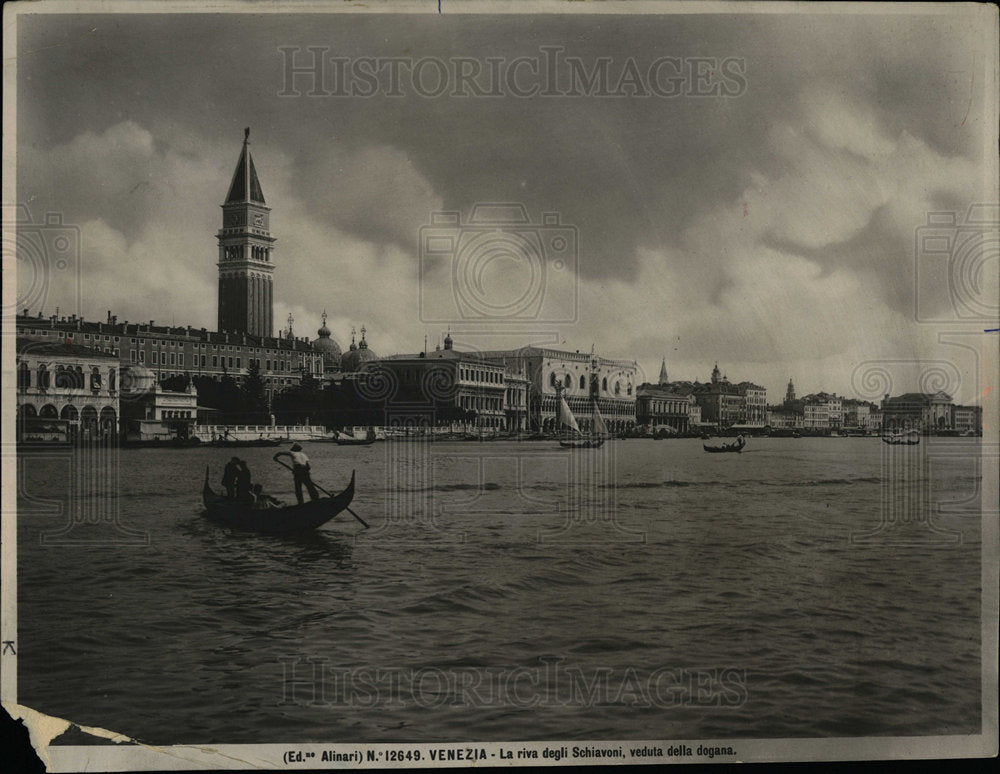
x: 355, y: 441
x: 274, y: 521
x: 901, y: 441
x: 246, y: 444
x: 346, y: 439
x: 585, y: 443
x: 729, y: 447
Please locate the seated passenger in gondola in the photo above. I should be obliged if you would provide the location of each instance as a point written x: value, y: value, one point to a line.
x: 262, y: 499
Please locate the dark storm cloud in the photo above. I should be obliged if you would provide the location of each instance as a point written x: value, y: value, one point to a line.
x: 838, y: 114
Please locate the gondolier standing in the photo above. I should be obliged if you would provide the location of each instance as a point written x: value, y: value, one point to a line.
x: 300, y: 472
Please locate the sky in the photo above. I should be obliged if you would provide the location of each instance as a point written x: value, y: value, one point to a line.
x: 773, y: 230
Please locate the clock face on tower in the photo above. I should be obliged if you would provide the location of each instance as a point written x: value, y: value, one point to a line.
x: 233, y: 219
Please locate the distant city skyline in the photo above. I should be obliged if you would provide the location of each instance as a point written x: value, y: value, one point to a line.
x: 772, y: 232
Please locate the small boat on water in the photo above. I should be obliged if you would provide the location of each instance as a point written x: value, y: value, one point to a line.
x: 277, y: 520
x: 902, y: 439
x: 736, y: 447
x: 237, y: 444
x: 346, y: 439
x: 599, y: 430
x: 355, y: 441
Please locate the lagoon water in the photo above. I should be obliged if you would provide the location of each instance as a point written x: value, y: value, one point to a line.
x: 821, y: 587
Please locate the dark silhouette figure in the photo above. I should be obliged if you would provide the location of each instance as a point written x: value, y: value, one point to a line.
x: 243, y: 484
x: 230, y: 475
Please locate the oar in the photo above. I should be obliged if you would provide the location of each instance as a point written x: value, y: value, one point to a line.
x: 346, y: 508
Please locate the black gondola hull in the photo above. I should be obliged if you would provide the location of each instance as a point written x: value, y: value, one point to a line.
x: 583, y: 444
x: 274, y: 521
x: 735, y: 448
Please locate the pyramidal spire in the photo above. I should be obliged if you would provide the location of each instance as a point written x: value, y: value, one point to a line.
x: 245, y: 186
x: 663, y: 372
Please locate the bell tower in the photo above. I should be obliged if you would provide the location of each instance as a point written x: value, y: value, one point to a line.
x: 246, y: 247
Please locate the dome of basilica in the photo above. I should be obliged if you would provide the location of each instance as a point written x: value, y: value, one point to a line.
x: 327, y: 346
x: 357, y: 354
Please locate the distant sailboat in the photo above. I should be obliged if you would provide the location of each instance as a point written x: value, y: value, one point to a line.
x: 599, y: 430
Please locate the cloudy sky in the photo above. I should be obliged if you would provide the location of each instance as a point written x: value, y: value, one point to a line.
x: 772, y: 230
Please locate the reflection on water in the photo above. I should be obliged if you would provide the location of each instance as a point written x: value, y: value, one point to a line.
x: 513, y: 591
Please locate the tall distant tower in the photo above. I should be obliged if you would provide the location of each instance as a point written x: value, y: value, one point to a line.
x: 663, y: 373
x: 790, y: 392
x: 246, y: 284
x: 716, y: 373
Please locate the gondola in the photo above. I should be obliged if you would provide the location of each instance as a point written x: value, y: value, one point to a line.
x: 729, y: 447
x: 355, y: 441
x: 346, y: 439
x: 246, y: 444
x: 583, y: 443
x: 274, y: 521
x: 901, y: 441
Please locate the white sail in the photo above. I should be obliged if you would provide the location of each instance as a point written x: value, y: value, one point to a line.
x: 566, y: 416
x: 599, y: 428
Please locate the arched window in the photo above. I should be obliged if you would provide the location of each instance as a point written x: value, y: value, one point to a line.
x: 43, y: 377
x: 630, y: 389
x: 568, y: 381
x: 111, y: 379
x: 604, y: 384
x: 95, y: 378
x: 23, y: 375
x: 552, y: 378
x: 583, y: 382
x: 618, y: 388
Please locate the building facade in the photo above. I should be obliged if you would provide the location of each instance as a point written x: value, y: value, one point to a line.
x: 583, y: 379
x: 927, y: 412
x: 450, y: 388
x: 754, y: 414
x: 969, y: 420
x: 66, y: 393
x: 659, y: 407
x: 788, y: 415
x: 823, y: 411
x: 721, y: 401
x: 151, y: 413
x: 177, y: 351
